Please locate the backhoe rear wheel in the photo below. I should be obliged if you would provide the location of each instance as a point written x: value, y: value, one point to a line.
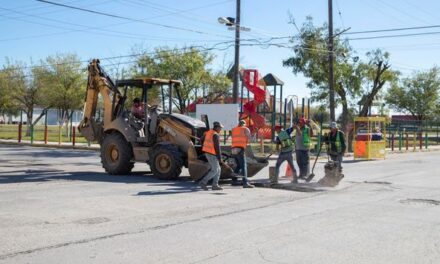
x: 116, y: 154
x: 166, y: 162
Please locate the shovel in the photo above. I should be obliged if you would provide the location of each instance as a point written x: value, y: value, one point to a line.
x: 312, y: 174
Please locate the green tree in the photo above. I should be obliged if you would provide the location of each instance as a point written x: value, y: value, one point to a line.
x: 218, y: 85
x: 23, y: 92
x: 353, y: 77
x: 61, y: 81
x: 375, y: 74
x: 311, y: 59
x: 188, y: 65
x: 12, y: 78
x: 417, y: 95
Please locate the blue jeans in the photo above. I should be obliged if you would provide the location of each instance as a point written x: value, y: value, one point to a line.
x: 241, y: 166
x: 302, y: 158
x: 215, y: 171
x: 284, y: 156
x: 338, y: 158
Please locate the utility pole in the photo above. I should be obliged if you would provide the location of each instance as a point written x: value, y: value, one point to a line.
x: 330, y: 61
x: 236, y: 78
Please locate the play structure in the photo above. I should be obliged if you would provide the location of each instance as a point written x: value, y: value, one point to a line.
x: 255, y: 121
x: 263, y: 107
x: 369, y: 137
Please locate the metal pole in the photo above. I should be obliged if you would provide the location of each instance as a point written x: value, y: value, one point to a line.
x: 73, y: 136
x: 406, y: 140
x: 170, y: 98
x: 20, y: 127
x: 45, y: 128
x: 400, y: 141
x: 237, y: 54
x: 308, y: 108
x: 274, y: 104
x: 163, y: 97
x: 281, y: 103
x: 330, y: 60
x: 437, y: 135
x: 285, y: 112
x: 302, y: 107
x: 241, y: 99
x: 426, y: 140
x: 414, y: 141
x: 392, y: 142
x: 71, y: 125
x: 32, y: 134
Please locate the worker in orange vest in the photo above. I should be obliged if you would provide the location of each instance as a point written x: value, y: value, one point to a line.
x: 211, y: 148
x: 240, y: 139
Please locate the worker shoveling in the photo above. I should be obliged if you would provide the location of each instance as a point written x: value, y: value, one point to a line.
x: 335, y: 145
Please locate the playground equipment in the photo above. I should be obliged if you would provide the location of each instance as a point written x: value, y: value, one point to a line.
x: 263, y: 110
x: 251, y: 80
x: 369, y: 137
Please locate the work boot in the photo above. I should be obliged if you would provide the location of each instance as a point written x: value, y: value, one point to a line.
x: 248, y: 185
x: 203, y: 186
x: 235, y: 182
x: 216, y: 188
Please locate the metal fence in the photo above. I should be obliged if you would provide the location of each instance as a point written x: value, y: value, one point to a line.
x: 413, y: 134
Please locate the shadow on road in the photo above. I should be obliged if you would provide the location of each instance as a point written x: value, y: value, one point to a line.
x: 45, y: 175
x: 354, y: 161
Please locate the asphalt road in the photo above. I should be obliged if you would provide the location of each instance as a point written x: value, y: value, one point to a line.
x: 58, y: 206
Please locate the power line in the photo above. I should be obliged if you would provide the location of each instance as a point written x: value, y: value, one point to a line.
x: 391, y: 29
x: 129, y: 19
x: 85, y: 28
x: 340, y: 14
x: 396, y: 36
x: 155, y: 53
x: 402, y: 11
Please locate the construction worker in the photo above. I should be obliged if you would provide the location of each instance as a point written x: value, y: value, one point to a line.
x: 336, y: 142
x: 241, y: 136
x: 284, y: 139
x: 302, y: 145
x: 211, y: 148
x: 138, y: 108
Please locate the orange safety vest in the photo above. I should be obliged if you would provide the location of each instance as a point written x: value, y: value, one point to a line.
x: 208, y: 144
x: 239, y: 137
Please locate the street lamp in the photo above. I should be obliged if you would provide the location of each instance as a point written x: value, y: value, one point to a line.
x: 229, y: 21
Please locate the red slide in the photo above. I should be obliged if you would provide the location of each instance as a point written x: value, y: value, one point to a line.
x: 251, y: 78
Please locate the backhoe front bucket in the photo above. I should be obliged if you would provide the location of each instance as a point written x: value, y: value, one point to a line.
x: 254, y: 164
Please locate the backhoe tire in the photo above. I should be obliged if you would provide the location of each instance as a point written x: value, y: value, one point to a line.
x: 166, y: 162
x: 116, y: 154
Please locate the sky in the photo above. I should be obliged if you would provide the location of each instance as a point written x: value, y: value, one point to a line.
x: 31, y: 30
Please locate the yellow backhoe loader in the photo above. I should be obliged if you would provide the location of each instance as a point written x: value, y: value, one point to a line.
x: 166, y: 141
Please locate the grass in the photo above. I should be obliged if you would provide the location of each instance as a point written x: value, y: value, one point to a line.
x: 11, y: 132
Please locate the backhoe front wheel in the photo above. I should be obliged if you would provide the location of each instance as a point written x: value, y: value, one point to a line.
x: 166, y: 162
x: 116, y: 154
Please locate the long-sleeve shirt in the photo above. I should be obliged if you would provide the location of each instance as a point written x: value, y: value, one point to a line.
x: 332, y: 141
x: 288, y: 131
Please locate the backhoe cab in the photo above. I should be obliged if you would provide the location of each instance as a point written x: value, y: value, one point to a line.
x: 166, y: 141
